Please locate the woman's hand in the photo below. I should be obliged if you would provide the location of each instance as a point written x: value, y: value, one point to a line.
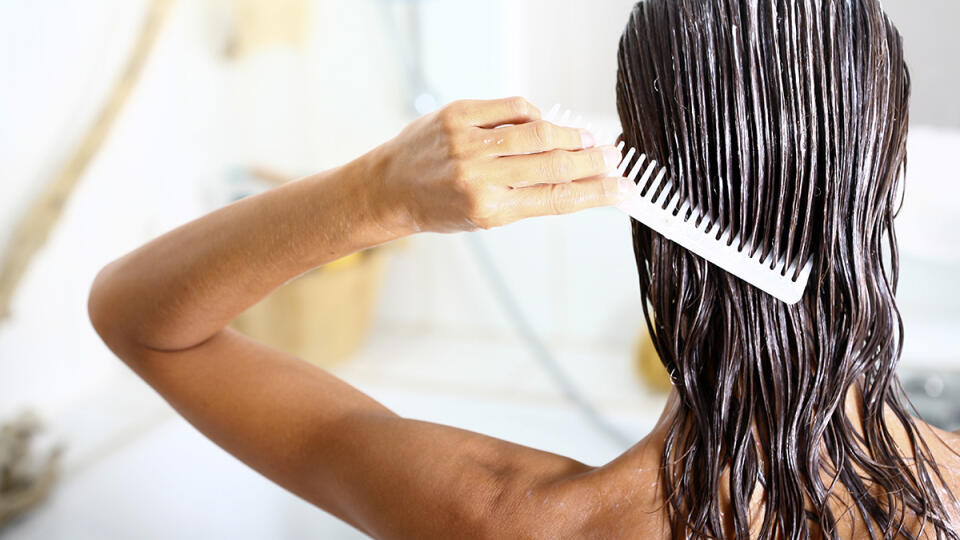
x: 482, y: 164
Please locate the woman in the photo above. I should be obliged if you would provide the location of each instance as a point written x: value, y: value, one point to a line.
x: 787, y: 119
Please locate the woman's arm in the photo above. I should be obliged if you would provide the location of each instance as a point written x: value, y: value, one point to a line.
x: 164, y: 307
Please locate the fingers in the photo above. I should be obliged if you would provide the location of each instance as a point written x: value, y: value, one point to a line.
x: 537, y: 136
x: 554, y: 199
x: 554, y: 167
x: 494, y: 112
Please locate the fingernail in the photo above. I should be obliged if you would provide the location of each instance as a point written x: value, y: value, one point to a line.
x: 612, y: 157
x: 626, y: 188
x: 586, y: 139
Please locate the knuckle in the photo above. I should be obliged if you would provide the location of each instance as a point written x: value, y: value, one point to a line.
x: 482, y: 210
x: 560, y: 203
x: 542, y: 134
x: 597, y: 160
x: 555, y: 200
x: 608, y: 189
x: 519, y: 105
x: 455, y: 106
x: 457, y: 146
x: 448, y: 123
x: 460, y: 174
x: 573, y: 136
x: 560, y: 166
x: 449, y: 117
x: 567, y: 138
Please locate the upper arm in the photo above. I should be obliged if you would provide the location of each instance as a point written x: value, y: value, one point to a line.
x: 336, y: 447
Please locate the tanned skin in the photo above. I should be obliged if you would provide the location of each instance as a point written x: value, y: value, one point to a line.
x: 164, y: 309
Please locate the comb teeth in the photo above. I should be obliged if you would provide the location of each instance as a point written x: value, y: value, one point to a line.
x: 566, y: 117
x: 656, y: 203
x: 660, y: 207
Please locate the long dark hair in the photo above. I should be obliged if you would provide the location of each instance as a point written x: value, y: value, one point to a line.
x: 787, y: 121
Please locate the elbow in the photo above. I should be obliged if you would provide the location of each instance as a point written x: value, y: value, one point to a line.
x: 95, y: 310
x: 103, y: 311
x: 97, y: 305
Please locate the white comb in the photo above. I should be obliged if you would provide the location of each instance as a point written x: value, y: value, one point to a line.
x: 659, y: 207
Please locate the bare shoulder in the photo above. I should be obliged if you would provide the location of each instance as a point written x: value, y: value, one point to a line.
x: 944, y: 445
x: 955, y: 438
x: 625, y: 498
x: 622, y: 499
x: 945, y: 449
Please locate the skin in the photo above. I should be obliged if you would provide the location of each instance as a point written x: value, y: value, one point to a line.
x: 164, y: 310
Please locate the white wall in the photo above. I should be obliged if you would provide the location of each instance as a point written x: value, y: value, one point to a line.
x: 153, y: 172
x: 569, y: 53
x: 58, y: 59
x: 192, y: 120
x: 929, y: 29
x: 195, y: 116
x: 575, y: 276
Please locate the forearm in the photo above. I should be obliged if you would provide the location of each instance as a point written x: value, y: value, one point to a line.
x: 185, y: 286
x: 450, y: 170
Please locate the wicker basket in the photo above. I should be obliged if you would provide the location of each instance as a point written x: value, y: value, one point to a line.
x: 324, y: 315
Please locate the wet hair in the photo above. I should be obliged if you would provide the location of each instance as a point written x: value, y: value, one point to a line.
x: 787, y: 121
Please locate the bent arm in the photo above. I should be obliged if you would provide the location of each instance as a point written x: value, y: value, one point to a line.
x: 185, y: 286
x: 164, y: 308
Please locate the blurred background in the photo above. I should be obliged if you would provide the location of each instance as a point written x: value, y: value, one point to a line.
x: 122, y: 119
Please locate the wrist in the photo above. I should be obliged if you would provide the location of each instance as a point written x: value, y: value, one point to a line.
x: 382, y: 204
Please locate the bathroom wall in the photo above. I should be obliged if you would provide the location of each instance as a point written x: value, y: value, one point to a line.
x: 570, y: 53
x: 929, y: 29
x: 155, y: 170
x: 58, y: 60
x: 196, y: 116
x: 575, y: 276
